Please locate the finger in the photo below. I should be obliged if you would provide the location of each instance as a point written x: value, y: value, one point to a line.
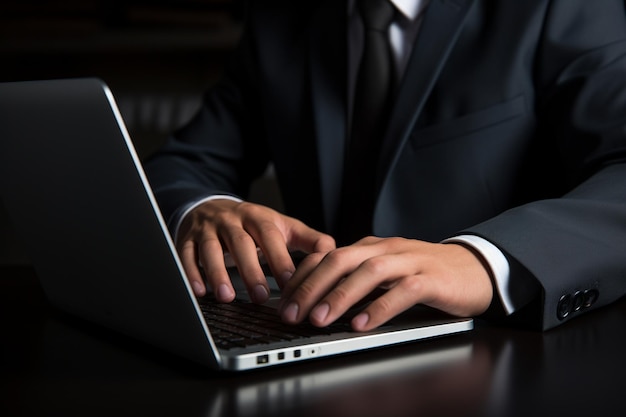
x: 189, y: 260
x: 306, y: 289
x: 398, y: 299
x: 243, y: 250
x: 272, y: 243
x: 360, y: 284
x: 212, y: 259
x: 305, y: 267
x: 306, y: 239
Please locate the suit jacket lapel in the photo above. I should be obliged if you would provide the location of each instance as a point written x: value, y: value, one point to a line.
x: 441, y: 26
x: 328, y: 90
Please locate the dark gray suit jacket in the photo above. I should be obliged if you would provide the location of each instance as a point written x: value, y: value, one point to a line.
x: 510, y: 124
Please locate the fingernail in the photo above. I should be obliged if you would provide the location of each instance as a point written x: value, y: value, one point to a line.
x: 285, y: 277
x: 360, y: 321
x: 320, y: 312
x: 260, y: 294
x: 198, y: 288
x: 290, y: 313
x: 224, y: 293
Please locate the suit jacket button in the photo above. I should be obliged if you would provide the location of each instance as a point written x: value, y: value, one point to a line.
x: 579, y: 301
x: 590, y: 297
x: 564, y: 307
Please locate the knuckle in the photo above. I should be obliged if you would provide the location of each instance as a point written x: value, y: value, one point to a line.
x: 394, y: 243
x: 368, y: 240
x: 340, y: 295
x: 335, y: 258
x: 268, y: 230
x: 239, y: 237
x: 305, y: 291
x: 416, y: 289
x: 209, y: 245
x: 311, y: 260
x: 375, y: 266
x: 251, y: 210
x: 413, y: 284
x: 383, y: 307
x: 226, y: 217
x: 325, y: 241
x: 185, y: 244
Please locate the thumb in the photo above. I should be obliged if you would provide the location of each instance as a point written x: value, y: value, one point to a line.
x: 306, y: 239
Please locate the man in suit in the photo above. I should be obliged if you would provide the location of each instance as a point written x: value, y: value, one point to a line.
x: 493, y: 181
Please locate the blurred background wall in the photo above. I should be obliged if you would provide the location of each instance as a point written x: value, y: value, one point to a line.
x: 157, y: 56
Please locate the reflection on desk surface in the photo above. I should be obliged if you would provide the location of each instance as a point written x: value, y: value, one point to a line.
x: 341, y: 387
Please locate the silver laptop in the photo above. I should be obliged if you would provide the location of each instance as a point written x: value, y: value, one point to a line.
x: 76, y: 192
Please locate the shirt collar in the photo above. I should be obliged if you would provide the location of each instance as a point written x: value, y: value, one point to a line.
x: 410, y: 9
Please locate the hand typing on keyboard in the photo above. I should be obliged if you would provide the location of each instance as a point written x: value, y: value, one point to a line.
x: 448, y: 277
x: 238, y: 228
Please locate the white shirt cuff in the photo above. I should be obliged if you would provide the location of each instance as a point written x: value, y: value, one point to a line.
x: 497, y: 262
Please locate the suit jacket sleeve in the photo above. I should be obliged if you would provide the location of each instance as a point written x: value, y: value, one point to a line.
x: 575, y: 245
x: 222, y: 149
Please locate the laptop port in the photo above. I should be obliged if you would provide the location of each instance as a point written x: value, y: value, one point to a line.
x: 262, y: 359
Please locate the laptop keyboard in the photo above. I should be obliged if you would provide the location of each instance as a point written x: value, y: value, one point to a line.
x: 241, y: 324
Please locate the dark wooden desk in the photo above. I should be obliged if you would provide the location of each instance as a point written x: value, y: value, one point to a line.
x: 55, y: 365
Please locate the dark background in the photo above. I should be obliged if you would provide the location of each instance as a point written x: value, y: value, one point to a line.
x: 157, y: 56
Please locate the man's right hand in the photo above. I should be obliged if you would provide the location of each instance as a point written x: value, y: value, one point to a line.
x: 222, y: 226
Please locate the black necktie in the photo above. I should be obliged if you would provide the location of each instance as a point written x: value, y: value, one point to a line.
x: 370, y: 112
